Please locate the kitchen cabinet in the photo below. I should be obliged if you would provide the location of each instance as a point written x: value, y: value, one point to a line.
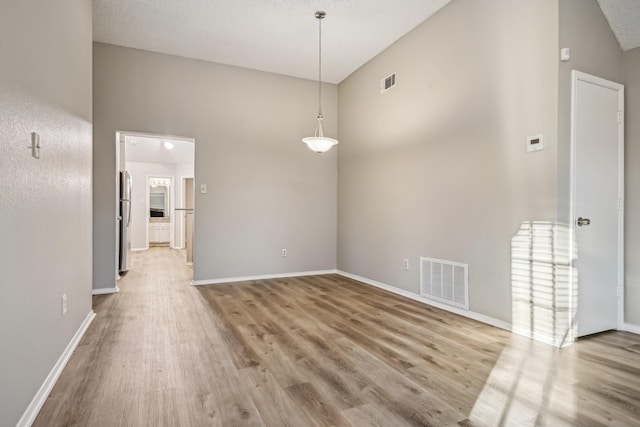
x: 159, y: 232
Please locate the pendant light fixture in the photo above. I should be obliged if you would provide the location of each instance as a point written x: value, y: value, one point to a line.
x: 319, y: 143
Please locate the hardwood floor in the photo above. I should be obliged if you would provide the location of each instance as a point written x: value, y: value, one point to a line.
x: 323, y: 350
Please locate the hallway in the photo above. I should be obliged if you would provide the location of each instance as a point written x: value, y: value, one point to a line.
x: 141, y: 361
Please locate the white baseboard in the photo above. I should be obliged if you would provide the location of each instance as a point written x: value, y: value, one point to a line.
x: 139, y: 249
x: 104, y: 291
x: 264, y: 277
x: 34, y: 407
x: 470, y: 314
x: 634, y: 329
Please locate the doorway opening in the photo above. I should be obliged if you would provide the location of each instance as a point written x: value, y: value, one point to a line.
x: 160, y: 197
x: 158, y: 166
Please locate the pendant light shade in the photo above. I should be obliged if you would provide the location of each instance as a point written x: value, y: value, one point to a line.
x: 318, y: 142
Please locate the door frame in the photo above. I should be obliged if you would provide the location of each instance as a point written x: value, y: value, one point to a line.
x: 172, y: 192
x: 183, y: 231
x: 577, y: 76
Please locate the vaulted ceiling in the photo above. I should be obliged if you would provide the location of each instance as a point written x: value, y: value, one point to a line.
x: 281, y: 36
x: 624, y: 19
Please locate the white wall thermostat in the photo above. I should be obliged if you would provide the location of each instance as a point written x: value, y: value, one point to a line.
x: 535, y: 143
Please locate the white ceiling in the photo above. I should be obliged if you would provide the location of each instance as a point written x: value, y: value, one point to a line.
x: 279, y: 36
x: 153, y: 150
x: 624, y: 19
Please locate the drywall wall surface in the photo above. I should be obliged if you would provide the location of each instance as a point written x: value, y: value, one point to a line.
x: 45, y: 204
x: 265, y: 190
x: 105, y: 203
x: 631, y: 66
x: 437, y: 166
x: 594, y: 50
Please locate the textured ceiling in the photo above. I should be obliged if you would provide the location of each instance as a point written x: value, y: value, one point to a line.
x: 152, y: 150
x: 624, y: 19
x: 279, y: 36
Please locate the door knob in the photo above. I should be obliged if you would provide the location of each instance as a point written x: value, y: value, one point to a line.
x: 583, y: 221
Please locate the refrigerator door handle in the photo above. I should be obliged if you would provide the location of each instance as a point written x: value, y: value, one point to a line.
x: 130, y: 189
x: 129, y: 215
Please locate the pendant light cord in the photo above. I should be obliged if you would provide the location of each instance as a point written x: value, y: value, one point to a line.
x: 319, y: 143
x: 320, y: 67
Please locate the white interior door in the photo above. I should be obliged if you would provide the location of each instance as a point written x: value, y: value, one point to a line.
x: 597, y: 148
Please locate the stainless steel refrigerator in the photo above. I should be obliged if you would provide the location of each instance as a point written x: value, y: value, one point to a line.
x: 124, y: 220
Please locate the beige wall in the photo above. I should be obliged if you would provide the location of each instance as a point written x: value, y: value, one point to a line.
x: 266, y: 190
x: 437, y: 166
x: 45, y: 205
x: 631, y: 62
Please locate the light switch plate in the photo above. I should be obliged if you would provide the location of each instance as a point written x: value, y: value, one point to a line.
x: 35, y: 145
x: 203, y: 188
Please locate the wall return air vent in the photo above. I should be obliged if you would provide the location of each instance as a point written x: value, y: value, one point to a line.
x: 387, y: 83
x: 445, y: 281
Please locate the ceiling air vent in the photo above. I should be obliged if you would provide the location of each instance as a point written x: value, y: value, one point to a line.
x: 387, y: 83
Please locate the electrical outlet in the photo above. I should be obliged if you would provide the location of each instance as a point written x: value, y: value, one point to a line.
x: 405, y: 264
x: 64, y: 304
x: 284, y: 252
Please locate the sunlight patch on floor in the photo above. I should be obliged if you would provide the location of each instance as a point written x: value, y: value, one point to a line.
x: 528, y: 386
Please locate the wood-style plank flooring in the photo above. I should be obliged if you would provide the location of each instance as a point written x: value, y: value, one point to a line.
x: 323, y: 351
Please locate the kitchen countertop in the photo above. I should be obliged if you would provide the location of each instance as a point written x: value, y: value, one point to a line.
x: 160, y: 219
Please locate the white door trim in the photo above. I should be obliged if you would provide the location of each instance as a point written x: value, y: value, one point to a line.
x: 183, y: 235
x: 577, y: 76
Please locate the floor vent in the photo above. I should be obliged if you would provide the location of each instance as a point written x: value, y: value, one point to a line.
x: 445, y: 281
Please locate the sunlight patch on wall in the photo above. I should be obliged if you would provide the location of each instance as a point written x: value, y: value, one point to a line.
x: 543, y: 300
